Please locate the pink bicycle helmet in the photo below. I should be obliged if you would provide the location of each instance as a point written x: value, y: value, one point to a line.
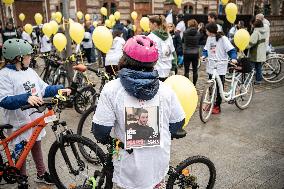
x: 141, y: 49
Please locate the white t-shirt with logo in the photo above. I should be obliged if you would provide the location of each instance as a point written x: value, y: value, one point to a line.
x: 27, y: 37
x: 165, y: 50
x: 181, y: 27
x: 144, y: 167
x: 218, y: 50
x: 12, y: 83
x: 45, y: 44
x: 115, y: 53
x: 87, y: 44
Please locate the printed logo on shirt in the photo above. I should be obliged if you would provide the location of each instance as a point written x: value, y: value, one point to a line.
x: 142, y: 127
x: 30, y: 88
x: 213, y: 48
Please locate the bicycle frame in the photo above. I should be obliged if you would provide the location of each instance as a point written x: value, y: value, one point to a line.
x: 39, y: 124
x: 231, y: 94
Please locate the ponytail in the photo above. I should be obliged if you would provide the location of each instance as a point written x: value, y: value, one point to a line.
x: 160, y: 20
x: 218, y: 36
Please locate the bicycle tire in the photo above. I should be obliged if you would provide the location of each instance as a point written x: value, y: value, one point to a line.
x: 81, y: 101
x: 239, y: 87
x: 277, y: 72
x: 61, y: 80
x: 55, y: 147
x: 206, y: 118
x: 80, y: 131
x: 189, y: 161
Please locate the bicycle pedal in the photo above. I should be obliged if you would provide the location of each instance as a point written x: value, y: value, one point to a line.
x: 231, y: 101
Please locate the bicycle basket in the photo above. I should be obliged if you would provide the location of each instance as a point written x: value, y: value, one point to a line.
x: 245, y: 66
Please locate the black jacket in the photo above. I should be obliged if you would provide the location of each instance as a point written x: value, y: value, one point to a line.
x: 177, y: 43
x: 191, y: 39
x: 9, y: 34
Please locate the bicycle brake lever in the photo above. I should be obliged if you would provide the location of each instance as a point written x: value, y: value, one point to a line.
x: 40, y: 109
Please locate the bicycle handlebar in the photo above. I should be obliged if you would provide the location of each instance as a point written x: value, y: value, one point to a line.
x: 47, y: 102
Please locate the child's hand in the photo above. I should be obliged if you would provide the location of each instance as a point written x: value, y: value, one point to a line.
x: 35, y: 101
x: 66, y: 92
x: 234, y: 61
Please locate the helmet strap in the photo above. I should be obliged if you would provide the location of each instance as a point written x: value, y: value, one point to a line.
x: 23, y: 68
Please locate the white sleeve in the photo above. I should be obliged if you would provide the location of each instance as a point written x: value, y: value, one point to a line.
x: 6, y: 87
x: 177, y: 113
x: 104, y: 114
x: 172, y: 44
x: 227, y: 44
x: 206, y: 47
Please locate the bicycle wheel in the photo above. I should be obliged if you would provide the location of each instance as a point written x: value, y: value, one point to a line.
x: 62, y: 80
x: 194, y: 172
x: 68, y: 169
x: 245, y: 90
x: 84, y: 99
x: 207, y: 102
x: 85, y: 129
x: 271, y: 70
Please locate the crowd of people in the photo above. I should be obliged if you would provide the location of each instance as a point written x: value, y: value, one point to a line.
x: 141, y: 63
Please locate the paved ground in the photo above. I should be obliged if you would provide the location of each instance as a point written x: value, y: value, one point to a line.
x: 247, y: 147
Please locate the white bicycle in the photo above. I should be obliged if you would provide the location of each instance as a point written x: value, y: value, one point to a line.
x: 240, y: 91
x: 272, y: 68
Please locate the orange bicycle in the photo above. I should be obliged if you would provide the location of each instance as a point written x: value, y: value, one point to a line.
x: 10, y: 169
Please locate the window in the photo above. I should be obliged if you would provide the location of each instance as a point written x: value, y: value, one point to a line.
x: 190, y: 10
x: 112, y: 8
x: 205, y: 10
x: 185, y: 9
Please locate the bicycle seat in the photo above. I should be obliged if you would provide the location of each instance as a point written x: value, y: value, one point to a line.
x: 6, y: 126
x: 80, y: 68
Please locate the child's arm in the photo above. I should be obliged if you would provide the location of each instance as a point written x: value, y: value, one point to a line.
x: 52, y: 90
x: 14, y: 102
x: 233, y: 54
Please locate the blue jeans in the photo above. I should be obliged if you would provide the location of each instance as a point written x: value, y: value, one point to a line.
x: 258, y: 71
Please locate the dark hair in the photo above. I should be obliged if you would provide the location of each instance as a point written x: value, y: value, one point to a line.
x: 128, y: 21
x: 180, y: 16
x: 141, y: 111
x: 258, y: 24
x: 160, y: 20
x: 242, y: 23
x: 213, y: 28
x: 213, y: 15
x: 130, y: 63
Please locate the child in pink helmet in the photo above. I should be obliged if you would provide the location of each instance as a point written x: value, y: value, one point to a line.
x: 132, y: 106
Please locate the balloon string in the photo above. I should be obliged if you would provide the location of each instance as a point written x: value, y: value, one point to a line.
x: 81, y: 55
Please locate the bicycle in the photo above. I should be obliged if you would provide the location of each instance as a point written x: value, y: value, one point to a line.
x: 84, y: 127
x: 10, y: 170
x: 240, y: 92
x: 272, y: 67
x: 181, y: 176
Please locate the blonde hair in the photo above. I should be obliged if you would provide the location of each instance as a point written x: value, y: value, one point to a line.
x: 192, y: 23
x: 160, y: 20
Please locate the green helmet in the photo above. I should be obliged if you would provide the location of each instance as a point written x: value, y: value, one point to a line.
x: 16, y: 47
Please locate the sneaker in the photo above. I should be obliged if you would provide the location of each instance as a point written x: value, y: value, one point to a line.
x: 216, y: 110
x: 45, y: 178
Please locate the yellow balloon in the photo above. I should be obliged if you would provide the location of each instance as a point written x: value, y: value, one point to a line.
x: 241, y: 39
x: 59, y: 41
x: 134, y: 15
x: 22, y: 17
x: 231, y: 18
x: 186, y: 93
x: 224, y: 2
x: 38, y: 18
x: 111, y: 18
x: 95, y: 23
x: 231, y: 8
x: 79, y: 15
x: 144, y: 23
x: 87, y: 17
x: 28, y: 28
x: 54, y: 26
x: 47, y: 29
x: 178, y: 3
x: 8, y: 2
x: 58, y: 17
x: 53, y: 15
x: 104, y: 11
x: 117, y: 15
x: 102, y: 38
x: 76, y: 32
x: 108, y: 23
x: 134, y: 28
